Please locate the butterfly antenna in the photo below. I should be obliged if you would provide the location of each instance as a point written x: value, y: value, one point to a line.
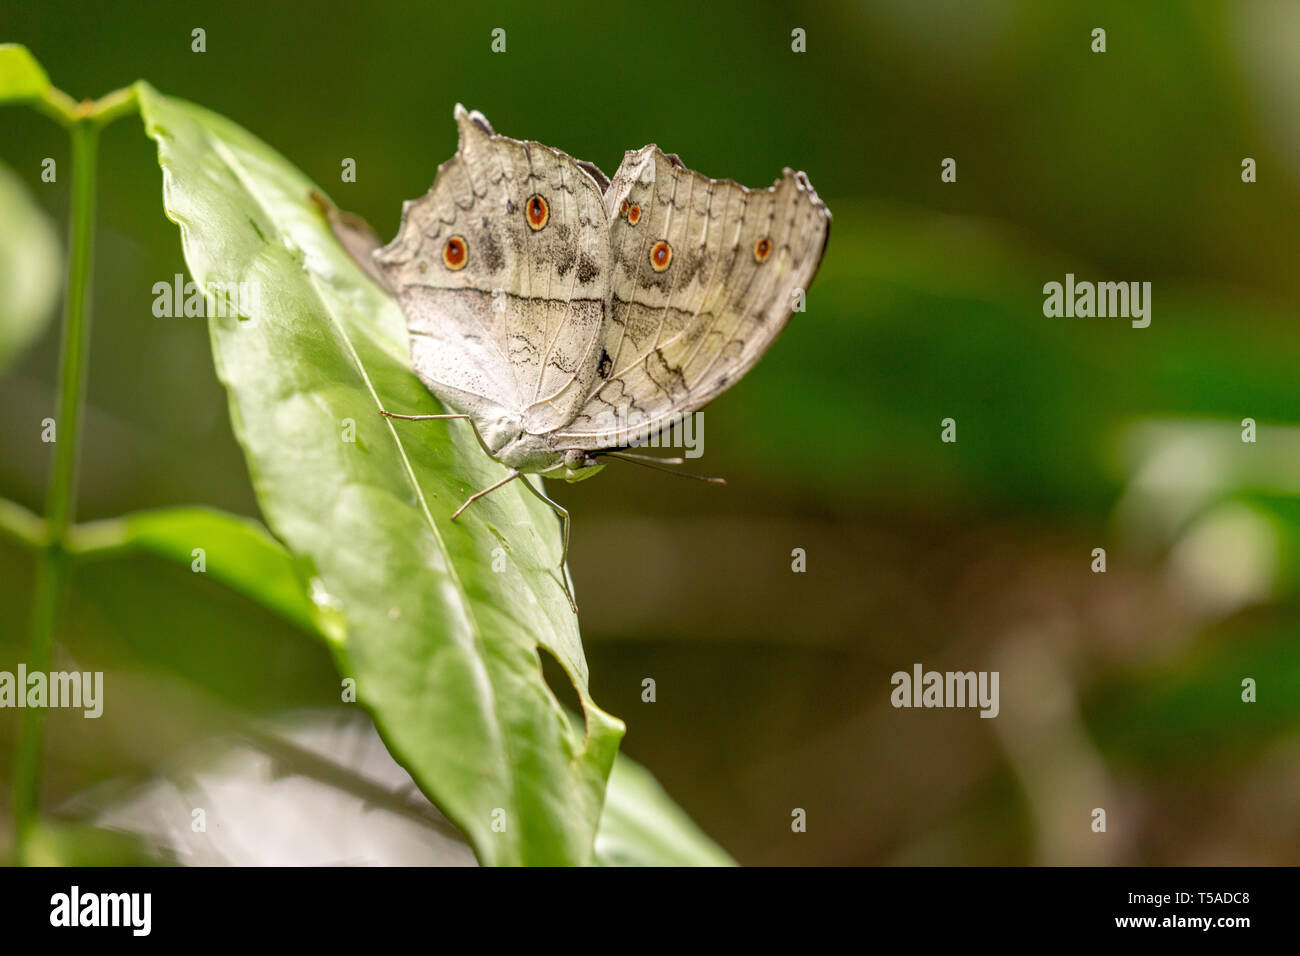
x: 649, y: 461
x: 662, y: 461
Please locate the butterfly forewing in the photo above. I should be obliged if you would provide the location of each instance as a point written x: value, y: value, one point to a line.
x: 502, y: 273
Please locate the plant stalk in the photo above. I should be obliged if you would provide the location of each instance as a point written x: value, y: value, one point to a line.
x: 52, y: 568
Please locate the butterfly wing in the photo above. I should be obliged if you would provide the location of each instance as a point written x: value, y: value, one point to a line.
x: 502, y: 272
x: 705, y: 274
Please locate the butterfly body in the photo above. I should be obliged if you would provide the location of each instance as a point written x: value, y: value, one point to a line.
x: 506, y: 440
x: 568, y: 314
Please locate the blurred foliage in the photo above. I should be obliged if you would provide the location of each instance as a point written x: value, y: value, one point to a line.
x: 29, y: 269
x: 773, y: 687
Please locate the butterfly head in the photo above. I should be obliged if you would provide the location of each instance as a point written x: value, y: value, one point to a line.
x: 578, y: 465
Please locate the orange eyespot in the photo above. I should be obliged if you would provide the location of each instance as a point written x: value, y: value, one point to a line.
x: 622, y: 210
x: 660, y: 255
x: 455, y: 253
x: 537, y: 212
x: 762, y: 249
x: 633, y: 215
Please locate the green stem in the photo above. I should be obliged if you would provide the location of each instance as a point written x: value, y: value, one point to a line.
x: 61, y: 497
x: 52, y: 569
x: 66, y: 111
x: 51, y: 577
x: 20, y: 525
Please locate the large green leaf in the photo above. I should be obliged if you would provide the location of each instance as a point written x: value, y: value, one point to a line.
x: 21, y: 78
x: 443, y: 647
x: 29, y: 268
x: 640, y: 824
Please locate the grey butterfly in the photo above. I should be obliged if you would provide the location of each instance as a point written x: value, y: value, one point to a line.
x: 569, y: 316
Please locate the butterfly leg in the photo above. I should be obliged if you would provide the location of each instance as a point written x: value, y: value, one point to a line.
x: 567, y: 581
x: 419, y: 418
x: 564, y: 553
x: 486, y: 491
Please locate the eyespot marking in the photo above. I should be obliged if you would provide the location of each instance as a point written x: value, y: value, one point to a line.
x: 455, y: 253
x: 537, y: 211
x: 762, y: 249
x: 660, y: 255
x: 633, y: 214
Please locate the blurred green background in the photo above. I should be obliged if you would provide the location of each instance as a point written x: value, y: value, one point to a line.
x: 1118, y: 690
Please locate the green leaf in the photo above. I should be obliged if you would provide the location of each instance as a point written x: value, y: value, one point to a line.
x: 238, y: 552
x: 21, y: 78
x: 30, y: 266
x: 444, y: 649
x: 642, y: 826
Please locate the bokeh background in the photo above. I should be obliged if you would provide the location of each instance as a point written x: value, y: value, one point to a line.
x: 1119, y: 690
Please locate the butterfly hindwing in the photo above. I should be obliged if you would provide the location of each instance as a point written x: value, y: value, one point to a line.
x: 705, y: 274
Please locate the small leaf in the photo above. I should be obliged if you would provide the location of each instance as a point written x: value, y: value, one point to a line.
x: 21, y: 78
x: 72, y: 843
x: 443, y: 647
x: 642, y: 826
x: 237, y: 552
x: 30, y: 264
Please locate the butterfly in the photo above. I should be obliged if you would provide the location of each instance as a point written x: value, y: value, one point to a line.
x: 570, y: 316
